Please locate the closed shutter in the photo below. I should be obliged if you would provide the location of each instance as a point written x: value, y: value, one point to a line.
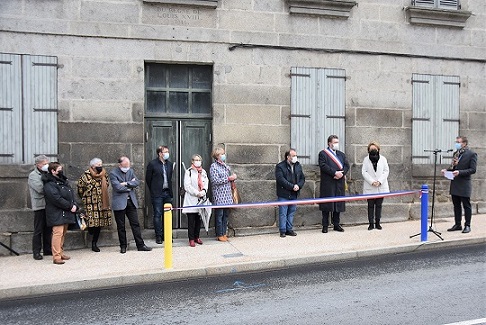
x: 317, y: 110
x: 40, y: 106
x: 435, y: 120
x: 10, y: 109
x: 443, y: 4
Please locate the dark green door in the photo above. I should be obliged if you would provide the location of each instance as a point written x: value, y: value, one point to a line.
x: 184, y: 139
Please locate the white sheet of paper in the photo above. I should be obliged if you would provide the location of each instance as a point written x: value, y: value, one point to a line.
x: 448, y: 175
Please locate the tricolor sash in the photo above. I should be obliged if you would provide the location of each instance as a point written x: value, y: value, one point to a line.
x: 334, y: 158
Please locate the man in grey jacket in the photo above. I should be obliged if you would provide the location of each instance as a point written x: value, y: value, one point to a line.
x: 42, y: 233
x: 124, y: 202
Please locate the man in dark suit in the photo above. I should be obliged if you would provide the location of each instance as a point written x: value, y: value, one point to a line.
x: 463, y: 166
x: 124, y: 202
x: 334, y: 166
x: 159, y: 181
x: 290, y: 179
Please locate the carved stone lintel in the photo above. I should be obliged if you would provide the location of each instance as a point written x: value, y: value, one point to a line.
x: 437, y: 17
x: 193, y: 3
x: 325, y: 8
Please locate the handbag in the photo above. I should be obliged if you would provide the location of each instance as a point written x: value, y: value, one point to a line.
x: 80, y: 223
x: 235, y: 194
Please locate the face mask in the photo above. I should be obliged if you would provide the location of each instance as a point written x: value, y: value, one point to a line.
x: 99, y: 169
x: 166, y: 156
x: 335, y: 146
x: 223, y: 157
x: 197, y: 163
x: 124, y: 169
x: 458, y: 146
x: 45, y: 168
x: 374, y: 152
x: 60, y: 173
x: 294, y: 160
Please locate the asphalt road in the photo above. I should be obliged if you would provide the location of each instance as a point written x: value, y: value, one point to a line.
x: 431, y: 287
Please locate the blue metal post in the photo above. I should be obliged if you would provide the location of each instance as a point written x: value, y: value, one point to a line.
x: 424, y: 212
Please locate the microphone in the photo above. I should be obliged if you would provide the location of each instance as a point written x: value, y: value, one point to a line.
x: 450, y: 150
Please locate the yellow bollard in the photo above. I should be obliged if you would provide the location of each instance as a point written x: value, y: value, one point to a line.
x: 168, y: 235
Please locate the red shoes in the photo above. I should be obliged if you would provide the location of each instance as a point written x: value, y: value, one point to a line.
x: 191, y: 243
x: 198, y: 241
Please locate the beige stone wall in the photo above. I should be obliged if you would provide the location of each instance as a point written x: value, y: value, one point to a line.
x: 102, y: 47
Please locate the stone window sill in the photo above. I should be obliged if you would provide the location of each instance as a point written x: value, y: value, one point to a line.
x: 437, y: 17
x: 194, y: 3
x: 323, y: 8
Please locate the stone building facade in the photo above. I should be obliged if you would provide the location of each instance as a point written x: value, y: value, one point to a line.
x: 116, y: 58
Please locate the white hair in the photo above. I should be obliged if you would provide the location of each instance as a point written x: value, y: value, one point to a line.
x: 94, y: 161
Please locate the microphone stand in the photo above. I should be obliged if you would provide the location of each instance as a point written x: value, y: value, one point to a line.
x: 438, y: 234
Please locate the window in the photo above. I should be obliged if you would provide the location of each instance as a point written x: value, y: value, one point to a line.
x: 442, y: 4
x: 28, y: 107
x: 178, y: 89
x: 317, y: 110
x: 435, y: 121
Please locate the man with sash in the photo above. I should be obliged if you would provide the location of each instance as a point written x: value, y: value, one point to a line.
x: 334, y: 167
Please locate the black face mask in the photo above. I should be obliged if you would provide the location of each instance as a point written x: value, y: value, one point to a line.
x: 374, y: 155
x: 60, y: 173
x: 99, y: 169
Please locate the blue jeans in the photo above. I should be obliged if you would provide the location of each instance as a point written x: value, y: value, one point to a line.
x: 221, y: 221
x: 286, y: 216
x: 158, y: 206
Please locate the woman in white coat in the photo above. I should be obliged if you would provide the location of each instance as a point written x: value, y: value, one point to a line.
x: 375, y: 173
x: 196, y: 186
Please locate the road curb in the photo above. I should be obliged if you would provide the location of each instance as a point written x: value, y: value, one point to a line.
x: 242, y: 267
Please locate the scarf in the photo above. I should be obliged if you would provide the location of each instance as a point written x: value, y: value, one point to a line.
x: 200, y: 183
x: 105, y: 200
x: 457, y: 156
x: 374, y: 159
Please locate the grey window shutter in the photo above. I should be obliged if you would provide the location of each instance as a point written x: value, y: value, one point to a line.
x: 10, y: 109
x: 435, y: 121
x: 317, y: 110
x: 447, y: 113
x: 443, y: 4
x: 422, y: 118
x: 40, y: 106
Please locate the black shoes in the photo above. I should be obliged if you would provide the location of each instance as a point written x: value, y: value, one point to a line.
x: 38, y: 256
x: 371, y: 226
x: 123, y: 249
x: 466, y: 230
x: 338, y: 228
x: 144, y: 248
x: 282, y: 234
x: 455, y: 228
x: 94, y: 247
x: 378, y: 226
x: 291, y: 233
x: 158, y: 240
x: 324, y: 230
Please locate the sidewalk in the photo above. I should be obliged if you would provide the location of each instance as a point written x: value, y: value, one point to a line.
x: 22, y: 276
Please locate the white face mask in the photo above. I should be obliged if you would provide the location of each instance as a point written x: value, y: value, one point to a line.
x: 125, y: 169
x: 223, y: 157
x: 294, y: 160
x: 45, y: 168
x: 335, y: 146
x: 197, y: 163
x: 166, y: 156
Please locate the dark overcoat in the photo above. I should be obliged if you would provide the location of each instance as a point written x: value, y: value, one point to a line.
x: 461, y: 185
x: 154, y: 177
x: 329, y: 186
x: 59, y: 200
x: 286, y: 180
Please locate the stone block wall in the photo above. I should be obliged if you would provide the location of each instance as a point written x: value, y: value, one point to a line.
x: 101, y: 59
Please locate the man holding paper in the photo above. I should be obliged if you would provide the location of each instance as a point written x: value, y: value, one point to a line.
x: 463, y: 166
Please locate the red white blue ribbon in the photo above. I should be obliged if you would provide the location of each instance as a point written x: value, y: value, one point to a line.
x: 307, y: 201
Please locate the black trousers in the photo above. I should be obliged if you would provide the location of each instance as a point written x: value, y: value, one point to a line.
x: 335, y: 218
x: 42, y: 234
x: 131, y: 213
x: 193, y: 225
x: 466, y: 203
x: 95, y: 232
x: 374, y: 210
